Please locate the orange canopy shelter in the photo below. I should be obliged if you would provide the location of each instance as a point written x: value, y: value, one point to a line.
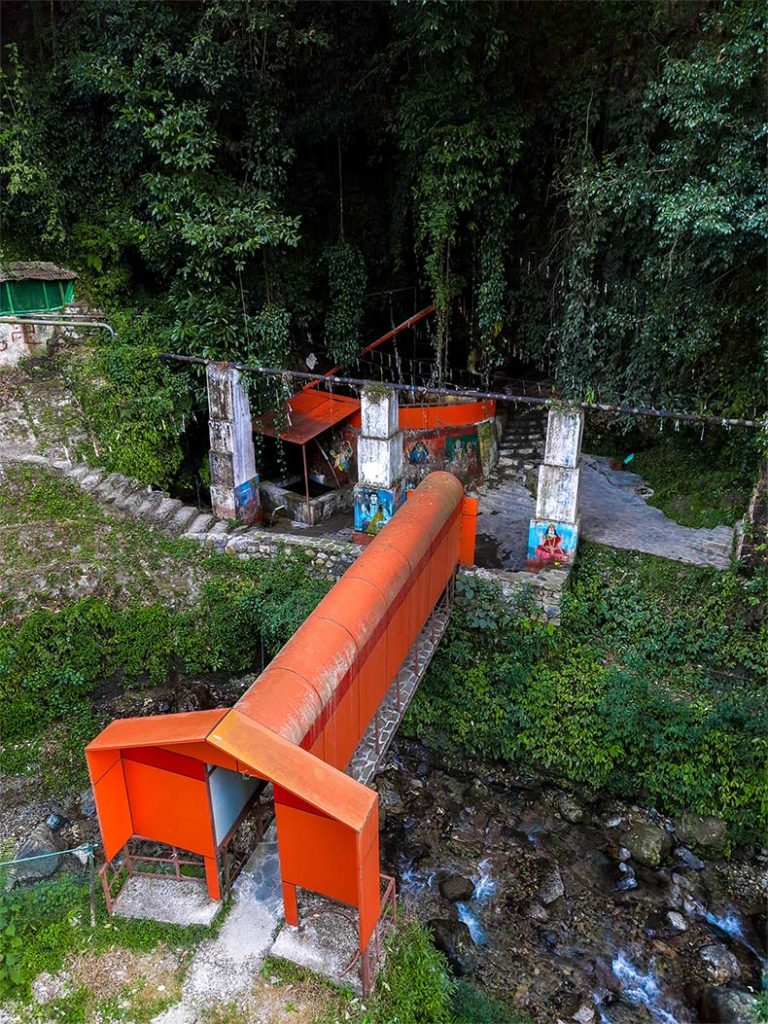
x: 187, y: 779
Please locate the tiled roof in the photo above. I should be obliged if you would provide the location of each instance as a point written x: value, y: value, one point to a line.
x: 35, y: 271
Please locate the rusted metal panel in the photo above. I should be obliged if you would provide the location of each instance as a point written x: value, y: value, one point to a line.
x: 307, y: 415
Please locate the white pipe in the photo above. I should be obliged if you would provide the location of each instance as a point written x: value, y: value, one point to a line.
x: 57, y: 323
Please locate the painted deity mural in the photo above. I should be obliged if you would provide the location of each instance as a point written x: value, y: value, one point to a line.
x: 462, y: 456
x: 551, y: 543
x: 247, y: 504
x: 374, y: 507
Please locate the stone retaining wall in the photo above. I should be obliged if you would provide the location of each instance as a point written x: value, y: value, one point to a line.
x: 537, y: 592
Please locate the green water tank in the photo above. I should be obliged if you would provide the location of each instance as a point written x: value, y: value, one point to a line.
x: 35, y: 287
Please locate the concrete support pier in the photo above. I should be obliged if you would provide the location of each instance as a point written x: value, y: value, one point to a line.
x: 380, y: 489
x: 554, y: 530
x: 234, y: 481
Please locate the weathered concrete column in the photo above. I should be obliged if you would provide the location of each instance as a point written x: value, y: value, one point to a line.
x: 379, y: 489
x: 554, y: 531
x: 234, y: 481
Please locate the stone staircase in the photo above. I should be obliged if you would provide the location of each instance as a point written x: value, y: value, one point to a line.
x: 115, y: 492
x: 522, y: 443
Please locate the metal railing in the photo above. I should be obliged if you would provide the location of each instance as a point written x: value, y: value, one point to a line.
x: 371, y: 960
x: 127, y: 865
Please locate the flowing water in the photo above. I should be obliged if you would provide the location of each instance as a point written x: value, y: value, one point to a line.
x: 551, y: 924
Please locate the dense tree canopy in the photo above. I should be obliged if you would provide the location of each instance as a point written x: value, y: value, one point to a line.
x: 578, y: 186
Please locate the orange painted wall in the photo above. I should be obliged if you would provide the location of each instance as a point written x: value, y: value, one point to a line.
x: 111, y: 796
x: 317, y: 853
x: 170, y: 808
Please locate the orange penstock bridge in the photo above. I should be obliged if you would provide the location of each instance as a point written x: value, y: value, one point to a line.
x: 185, y: 779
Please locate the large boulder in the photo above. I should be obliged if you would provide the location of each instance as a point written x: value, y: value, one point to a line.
x: 42, y: 849
x: 454, y: 939
x: 390, y: 797
x: 731, y: 1004
x: 456, y: 888
x: 647, y: 843
x: 551, y: 887
x: 708, y: 834
x: 570, y: 808
x: 720, y: 965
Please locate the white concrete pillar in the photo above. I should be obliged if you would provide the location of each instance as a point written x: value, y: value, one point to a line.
x: 379, y: 489
x: 553, y: 532
x: 234, y: 480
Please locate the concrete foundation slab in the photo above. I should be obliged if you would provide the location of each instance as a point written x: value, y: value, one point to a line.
x: 325, y: 940
x: 168, y: 900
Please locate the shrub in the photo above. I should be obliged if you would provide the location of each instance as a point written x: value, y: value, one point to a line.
x: 653, y: 688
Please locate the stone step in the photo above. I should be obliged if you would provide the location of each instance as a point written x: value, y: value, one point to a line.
x: 94, y: 478
x: 182, y: 520
x: 131, y: 497
x: 80, y: 472
x: 149, y: 504
x: 202, y: 523
x: 165, y: 511
x: 521, y: 450
x: 122, y: 492
x: 109, y: 488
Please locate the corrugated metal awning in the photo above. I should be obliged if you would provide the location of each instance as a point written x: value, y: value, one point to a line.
x: 307, y: 415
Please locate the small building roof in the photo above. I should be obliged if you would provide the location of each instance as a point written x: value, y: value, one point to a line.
x: 306, y: 415
x: 35, y: 270
x: 158, y: 730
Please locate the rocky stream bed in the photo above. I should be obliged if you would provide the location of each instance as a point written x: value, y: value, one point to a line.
x: 593, y: 911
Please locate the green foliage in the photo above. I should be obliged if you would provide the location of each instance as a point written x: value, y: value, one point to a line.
x: 346, y: 287
x: 32, y: 919
x: 473, y: 1006
x: 587, y: 181
x: 43, y: 922
x: 654, y: 248
x: 695, y: 485
x: 653, y: 688
x: 415, y: 986
x: 51, y: 662
x: 29, y: 189
x: 134, y: 405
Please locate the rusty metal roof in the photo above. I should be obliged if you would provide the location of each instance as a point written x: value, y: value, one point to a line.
x: 35, y: 270
x: 307, y: 415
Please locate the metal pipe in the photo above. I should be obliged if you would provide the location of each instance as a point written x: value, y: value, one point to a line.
x: 306, y: 485
x: 379, y: 341
x: 57, y: 323
x: 499, y: 396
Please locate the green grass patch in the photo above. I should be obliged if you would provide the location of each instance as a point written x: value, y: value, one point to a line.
x: 694, y: 487
x: 141, y: 627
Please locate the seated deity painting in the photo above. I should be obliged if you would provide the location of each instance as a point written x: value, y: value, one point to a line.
x: 373, y: 509
x: 551, y: 543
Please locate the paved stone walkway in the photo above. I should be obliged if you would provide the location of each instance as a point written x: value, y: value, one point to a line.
x: 614, y: 513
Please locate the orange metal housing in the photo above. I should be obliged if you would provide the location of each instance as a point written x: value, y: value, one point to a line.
x: 300, y: 722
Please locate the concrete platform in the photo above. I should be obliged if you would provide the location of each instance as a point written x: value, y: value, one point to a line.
x: 325, y: 940
x: 167, y: 900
